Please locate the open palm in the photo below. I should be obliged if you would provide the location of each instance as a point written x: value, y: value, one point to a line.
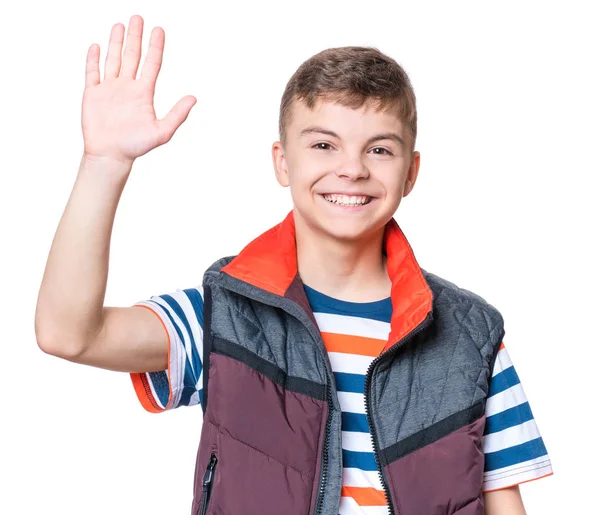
x: 118, y: 118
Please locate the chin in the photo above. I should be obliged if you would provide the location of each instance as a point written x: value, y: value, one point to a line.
x: 341, y: 225
x: 345, y: 228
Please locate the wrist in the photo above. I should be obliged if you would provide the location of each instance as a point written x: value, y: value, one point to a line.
x: 107, y: 166
x: 108, y: 162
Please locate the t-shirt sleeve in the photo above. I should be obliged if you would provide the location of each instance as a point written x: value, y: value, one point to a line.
x: 512, y: 444
x: 181, y: 314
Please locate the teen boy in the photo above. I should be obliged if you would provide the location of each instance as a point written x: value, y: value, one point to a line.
x: 343, y: 377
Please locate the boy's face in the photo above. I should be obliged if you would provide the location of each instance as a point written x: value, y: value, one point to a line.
x: 333, y: 150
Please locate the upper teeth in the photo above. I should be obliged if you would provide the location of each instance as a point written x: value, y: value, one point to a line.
x: 345, y: 200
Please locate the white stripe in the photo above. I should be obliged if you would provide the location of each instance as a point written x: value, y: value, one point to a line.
x: 502, y: 362
x: 185, y: 344
x: 361, y: 478
x: 356, y: 441
x: 177, y: 356
x: 348, y: 506
x: 177, y: 373
x: 353, y: 326
x: 184, y: 301
x: 491, y: 475
x: 504, y: 400
x: 518, y: 473
x: 511, y: 436
x: 349, y: 363
x: 186, y: 337
x: 352, y: 402
x: 194, y: 398
x: 176, y: 352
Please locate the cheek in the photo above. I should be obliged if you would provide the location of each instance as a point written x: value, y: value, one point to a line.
x: 394, y: 182
x: 303, y: 179
x: 301, y: 189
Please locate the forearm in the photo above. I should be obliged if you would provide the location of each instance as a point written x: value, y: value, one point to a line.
x: 71, y: 297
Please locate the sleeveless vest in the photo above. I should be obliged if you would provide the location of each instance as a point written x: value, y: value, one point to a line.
x: 271, y: 434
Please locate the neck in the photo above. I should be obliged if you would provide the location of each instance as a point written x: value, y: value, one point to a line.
x: 354, y: 271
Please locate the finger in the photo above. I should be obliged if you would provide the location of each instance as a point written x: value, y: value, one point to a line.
x: 175, y: 117
x: 153, y: 60
x: 133, y: 47
x: 92, y: 68
x: 112, y: 66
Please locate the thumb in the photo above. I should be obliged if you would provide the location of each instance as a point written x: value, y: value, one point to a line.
x: 175, y: 117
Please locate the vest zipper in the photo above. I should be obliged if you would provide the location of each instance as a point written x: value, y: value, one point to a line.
x: 325, y: 455
x: 372, y: 366
x: 207, y: 483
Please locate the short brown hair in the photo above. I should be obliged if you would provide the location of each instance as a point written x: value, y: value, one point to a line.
x: 351, y: 76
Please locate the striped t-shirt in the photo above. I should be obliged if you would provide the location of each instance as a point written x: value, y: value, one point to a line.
x: 354, y: 334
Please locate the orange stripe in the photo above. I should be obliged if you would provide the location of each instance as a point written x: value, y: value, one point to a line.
x: 140, y: 380
x: 352, y: 344
x: 365, y: 496
x: 501, y: 346
x: 519, y: 483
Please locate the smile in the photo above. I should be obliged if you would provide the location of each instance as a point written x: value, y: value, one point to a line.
x: 346, y: 200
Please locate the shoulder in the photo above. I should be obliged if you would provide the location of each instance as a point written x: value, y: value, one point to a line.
x: 464, y: 305
x: 213, y: 270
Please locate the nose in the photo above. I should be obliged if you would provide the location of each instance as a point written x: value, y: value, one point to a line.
x: 352, y: 167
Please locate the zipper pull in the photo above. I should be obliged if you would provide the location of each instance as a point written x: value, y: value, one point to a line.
x: 208, y: 475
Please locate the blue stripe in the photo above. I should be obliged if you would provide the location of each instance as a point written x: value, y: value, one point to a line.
x: 179, y: 334
x: 320, y: 303
x: 160, y: 382
x: 349, y: 382
x: 168, y: 315
x: 356, y: 422
x: 189, y: 385
x: 186, y: 394
x: 189, y: 379
x: 359, y: 460
x: 176, y: 307
x: 508, y: 418
x: 516, y: 454
x: 197, y: 303
x: 503, y: 381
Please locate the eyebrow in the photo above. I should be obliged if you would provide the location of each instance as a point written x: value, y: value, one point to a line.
x: 384, y: 135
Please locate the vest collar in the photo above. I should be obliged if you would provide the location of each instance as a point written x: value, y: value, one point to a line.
x: 269, y: 262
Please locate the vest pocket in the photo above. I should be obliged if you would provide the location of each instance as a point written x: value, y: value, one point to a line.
x: 247, y: 481
x: 207, y: 482
x: 207, y: 472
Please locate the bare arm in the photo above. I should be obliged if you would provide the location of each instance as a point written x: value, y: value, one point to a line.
x: 506, y: 501
x: 119, y: 124
x: 71, y: 320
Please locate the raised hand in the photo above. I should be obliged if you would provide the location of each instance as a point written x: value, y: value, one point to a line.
x: 118, y: 118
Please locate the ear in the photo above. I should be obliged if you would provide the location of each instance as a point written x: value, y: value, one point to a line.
x: 280, y: 164
x: 412, y: 174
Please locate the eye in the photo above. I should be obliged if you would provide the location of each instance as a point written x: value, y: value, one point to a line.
x: 322, y: 143
x: 384, y: 150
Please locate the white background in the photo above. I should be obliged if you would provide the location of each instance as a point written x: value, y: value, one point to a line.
x: 505, y: 205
